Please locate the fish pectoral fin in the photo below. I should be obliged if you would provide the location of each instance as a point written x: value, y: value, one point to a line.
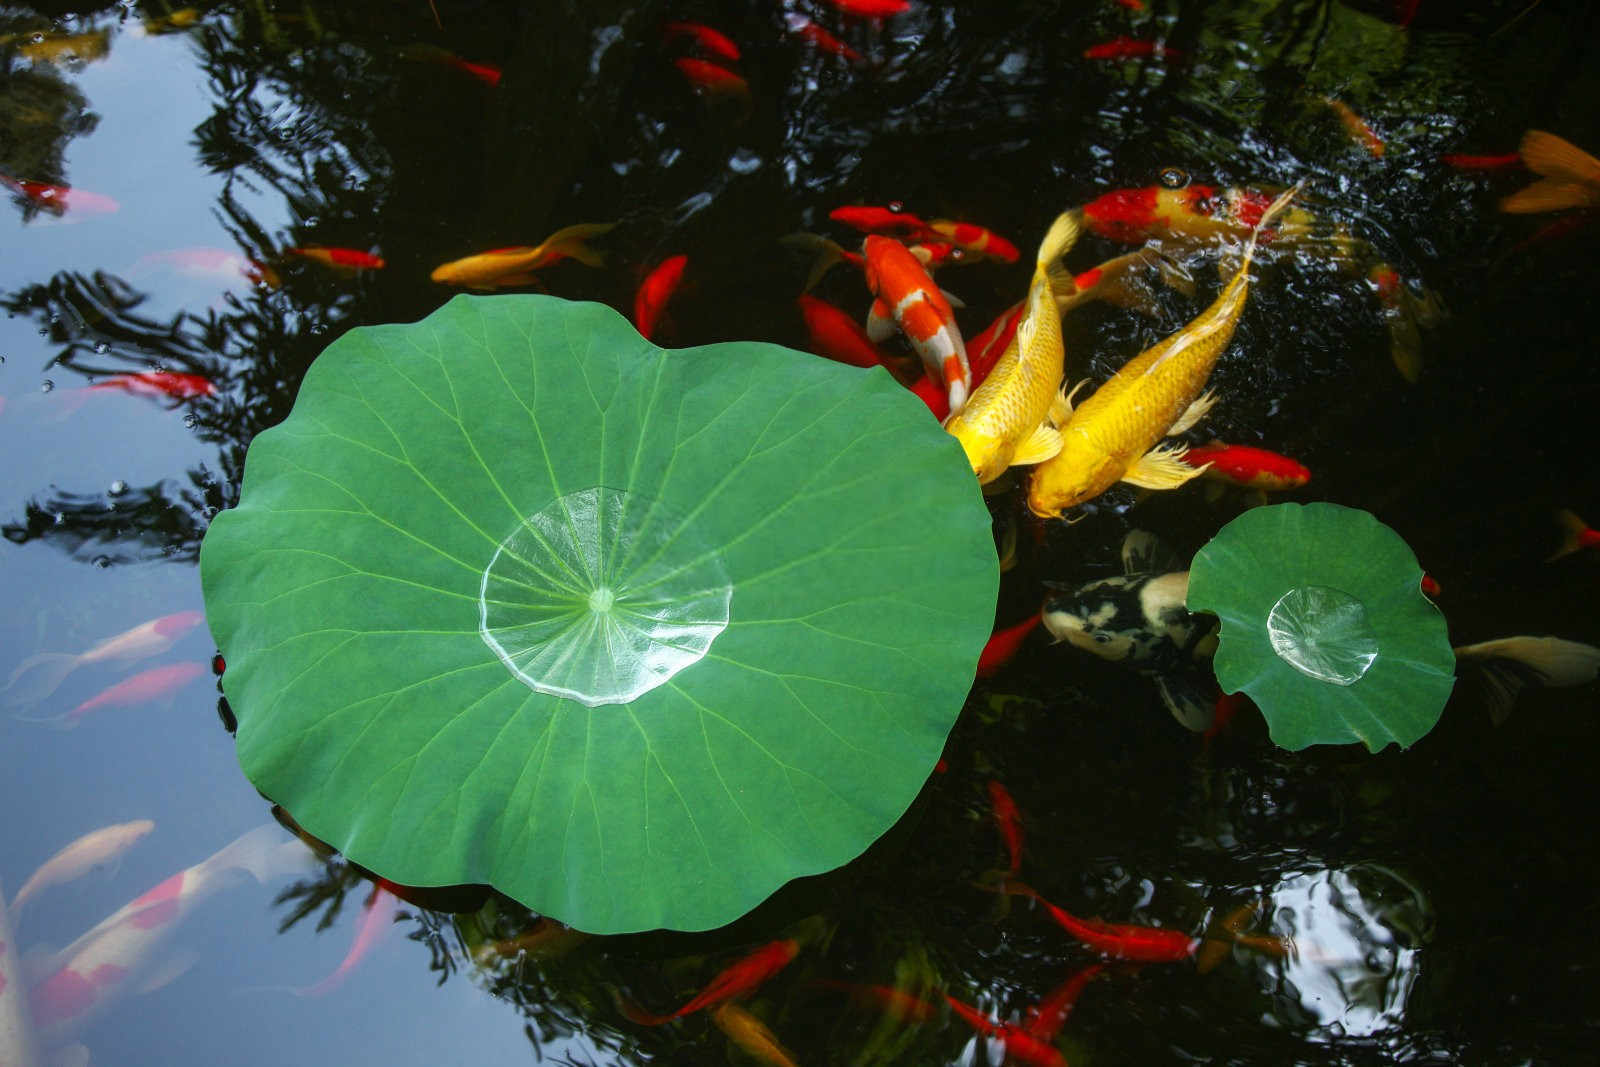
x: 1188, y: 701
x: 1061, y: 405
x: 1043, y: 443
x: 1062, y: 281
x: 1162, y: 468
x: 1143, y: 551
x: 1174, y: 275
x: 1193, y: 413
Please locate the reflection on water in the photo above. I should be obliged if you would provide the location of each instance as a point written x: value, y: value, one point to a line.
x: 162, y: 164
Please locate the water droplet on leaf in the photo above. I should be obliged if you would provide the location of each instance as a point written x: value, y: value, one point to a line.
x: 1323, y: 633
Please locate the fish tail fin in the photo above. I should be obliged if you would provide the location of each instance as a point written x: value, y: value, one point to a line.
x: 1550, y: 194
x: 1557, y: 157
x: 634, y: 1013
x: 1508, y: 664
x: 1274, y: 209
x: 1060, y: 238
x: 573, y: 241
x: 44, y: 672
x: 827, y: 251
x: 1572, y: 530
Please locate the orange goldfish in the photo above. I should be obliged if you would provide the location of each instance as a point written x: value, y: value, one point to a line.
x: 1356, y: 127
x: 1570, y: 177
x: 1121, y: 941
x: 1008, y: 821
x: 738, y: 979
x: 750, y: 1034
x: 657, y: 288
x: 907, y: 297
x: 515, y: 266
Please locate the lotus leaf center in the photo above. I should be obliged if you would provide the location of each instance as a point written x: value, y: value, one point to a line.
x: 601, y: 596
x: 1323, y: 633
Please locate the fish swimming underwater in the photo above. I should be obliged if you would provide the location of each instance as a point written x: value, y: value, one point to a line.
x: 1139, y: 619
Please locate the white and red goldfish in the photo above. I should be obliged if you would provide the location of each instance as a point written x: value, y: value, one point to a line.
x: 105, y: 845
x: 153, y: 684
x: 46, y: 670
x: 377, y: 920
x: 122, y: 952
x: 908, y: 298
x: 515, y: 266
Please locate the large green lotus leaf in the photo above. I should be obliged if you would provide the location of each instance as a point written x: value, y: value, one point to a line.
x: 1325, y: 625
x: 634, y: 635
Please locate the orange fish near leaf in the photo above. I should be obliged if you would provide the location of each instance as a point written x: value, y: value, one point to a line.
x: 502, y: 267
x: 738, y: 979
x: 908, y: 298
x: 1121, y: 941
x: 650, y: 302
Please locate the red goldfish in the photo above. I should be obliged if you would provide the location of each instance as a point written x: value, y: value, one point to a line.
x: 809, y: 31
x: 712, y: 79
x: 932, y: 395
x: 1132, y: 5
x: 157, y: 383
x: 1020, y: 1045
x: 1575, y: 534
x: 836, y: 335
x: 872, y: 9
x: 654, y: 292
x: 1430, y: 585
x: 1508, y: 161
x: 1003, y: 644
x: 1122, y: 941
x: 890, y: 220
x: 1252, y: 468
x: 1130, y: 48
x: 1221, y: 938
x: 1008, y: 820
x: 153, y: 684
x: 58, y: 199
x: 484, y: 72
x: 377, y: 919
x: 351, y: 259
x: 908, y: 298
x: 1046, y: 1018
x: 708, y: 39
x: 741, y: 977
x: 976, y: 241
x: 47, y: 669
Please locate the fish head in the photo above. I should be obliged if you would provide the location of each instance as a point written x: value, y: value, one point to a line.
x: 986, y: 452
x: 1078, y: 473
x: 1102, y: 617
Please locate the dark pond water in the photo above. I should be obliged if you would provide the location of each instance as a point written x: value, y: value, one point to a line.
x: 1443, y: 898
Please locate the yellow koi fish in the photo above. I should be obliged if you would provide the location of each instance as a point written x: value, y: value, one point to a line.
x: 515, y: 266
x: 1112, y: 436
x: 751, y: 1034
x: 1006, y: 422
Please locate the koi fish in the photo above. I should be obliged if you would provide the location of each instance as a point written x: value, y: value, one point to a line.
x: 1227, y: 706
x: 976, y: 241
x: 349, y: 259
x: 218, y: 263
x: 153, y: 684
x: 1019, y: 1044
x: 377, y: 919
x: 1220, y: 939
x: 118, y: 955
x: 1356, y: 127
x: 57, y: 199
x: 707, y: 77
x: 1405, y: 11
x: 813, y: 34
x: 1575, y: 534
x: 1403, y: 313
x: 891, y: 220
x: 872, y: 9
x: 1508, y: 664
x: 48, y: 669
x: 741, y: 977
x: 19, y: 1045
x: 1131, y: 48
x: 929, y: 393
x: 1046, y: 1018
x: 1003, y: 644
x: 1121, y: 941
x: 1570, y: 177
x: 94, y: 848
x: 1460, y: 161
x: 907, y: 297
x: 182, y: 19
x: 654, y: 292
x: 1429, y: 586
x: 897, y: 1003
x: 1140, y: 619
x: 1012, y: 418
x: 64, y: 48
x: 548, y: 938
x: 1250, y: 468
x: 750, y: 1034
x: 836, y: 335
x: 1132, y: 5
x: 1007, y: 820
x: 515, y: 266
x: 1113, y: 435
x: 708, y: 39
x: 179, y: 386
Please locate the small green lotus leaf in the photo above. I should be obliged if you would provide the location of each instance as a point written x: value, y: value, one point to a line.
x: 1325, y: 625
x: 634, y: 635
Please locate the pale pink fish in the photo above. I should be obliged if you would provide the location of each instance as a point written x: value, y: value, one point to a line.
x: 122, y: 954
x: 18, y: 1044
x: 46, y: 670
x: 377, y: 919
x: 153, y: 684
x: 82, y: 856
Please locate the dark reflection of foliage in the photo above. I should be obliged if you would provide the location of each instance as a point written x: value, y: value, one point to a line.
x: 40, y: 111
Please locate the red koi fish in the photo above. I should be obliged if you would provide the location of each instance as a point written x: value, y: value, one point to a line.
x: 1046, y: 1018
x: 58, y: 199
x: 929, y: 392
x: 377, y: 919
x: 742, y: 977
x: 1003, y: 644
x: 711, y: 79
x: 1020, y: 1045
x: 157, y: 383
x: 907, y: 297
x: 1430, y: 585
x: 1252, y: 468
x: 654, y: 292
x: 976, y: 241
x: 872, y: 9
x: 153, y: 684
x: 45, y: 671
x: 1131, y: 48
x: 1227, y: 706
x: 1575, y: 534
x: 351, y: 259
x: 1356, y: 127
x: 1132, y: 5
x: 991, y: 344
x: 488, y: 74
x: 1008, y: 820
x: 896, y: 1003
x: 836, y: 335
x: 820, y: 38
x: 1460, y: 161
x: 891, y: 220
x: 1194, y: 212
x: 1122, y: 941
x: 708, y: 39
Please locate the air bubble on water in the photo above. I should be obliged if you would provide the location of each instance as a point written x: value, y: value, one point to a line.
x: 46, y: 385
x: 101, y: 348
x: 191, y: 420
x: 100, y: 562
x: 118, y: 487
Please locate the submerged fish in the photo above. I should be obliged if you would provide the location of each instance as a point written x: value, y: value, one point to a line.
x: 153, y: 684
x: 377, y: 919
x: 1570, y: 177
x: 1508, y: 664
x: 1119, y: 941
x: 908, y: 298
x: 174, y: 384
x: 657, y: 288
x: 739, y: 978
x: 94, y: 848
x: 711, y: 41
x: 751, y: 1034
x: 40, y: 674
x: 347, y: 259
x: 1020, y: 1045
x: 1575, y: 534
x: 515, y: 266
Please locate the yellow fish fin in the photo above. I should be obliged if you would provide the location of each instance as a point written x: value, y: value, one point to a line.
x: 1572, y: 528
x: 1062, y: 281
x: 1193, y: 413
x: 1549, y: 194
x: 1162, y: 468
x: 1061, y: 404
x: 1040, y: 445
x: 1557, y: 157
x: 570, y: 241
x: 1060, y: 238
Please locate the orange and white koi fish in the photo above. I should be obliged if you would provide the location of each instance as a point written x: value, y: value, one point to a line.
x: 153, y: 684
x: 105, y: 845
x: 1121, y: 941
x: 515, y: 266
x: 19, y: 1045
x: 1250, y: 468
x: 1113, y: 435
x: 1569, y: 176
x: 1356, y: 127
x: 657, y: 288
x: 377, y: 919
x: 977, y: 242
x: 120, y: 954
x: 46, y: 670
x: 743, y: 976
x: 711, y: 41
x: 1508, y: 664
x: 1575, y: 534
x: 1020, y: 1045
x: 347, y: 259
x: 1013, y: 415
x: 908, y: 298
x: 751, y: 1034
x: 58, y: 199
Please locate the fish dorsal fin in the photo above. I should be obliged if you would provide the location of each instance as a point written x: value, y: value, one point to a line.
x: 1162, y: 468
x: 1193, y: 413
x: 1557, y: 157
x: 1043, y: 443
x: 1143, y: 552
